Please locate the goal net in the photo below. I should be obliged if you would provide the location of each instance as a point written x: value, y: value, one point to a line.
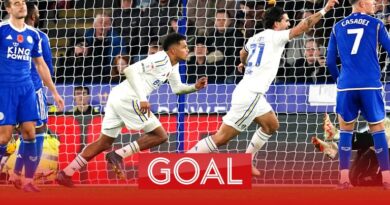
x: 92, y: 41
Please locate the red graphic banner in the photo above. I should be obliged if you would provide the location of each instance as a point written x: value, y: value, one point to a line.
x: 195, y: 171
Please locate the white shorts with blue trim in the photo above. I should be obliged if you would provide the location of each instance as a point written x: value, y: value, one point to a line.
x: 245, y: 107
x: 122, y: 110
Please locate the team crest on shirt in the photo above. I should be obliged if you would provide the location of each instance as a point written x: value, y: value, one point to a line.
x: 29, y: 39
x: 20, y: 38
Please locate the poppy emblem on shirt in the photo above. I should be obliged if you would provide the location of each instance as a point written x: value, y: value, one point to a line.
x: 20, y: 38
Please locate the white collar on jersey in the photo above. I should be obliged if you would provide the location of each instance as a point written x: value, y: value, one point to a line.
x: 16, y: 29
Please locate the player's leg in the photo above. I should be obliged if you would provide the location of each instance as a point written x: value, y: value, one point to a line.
x: 8, y: 108
x: 132, y: 117
x: 146, y: 141
x: 7, y: 117
x: 111, y: 127
x: 29, y: 152
x: 373, y: 110
x: 211, y: 143
x: 348, y: 104
x: 150, y: 139
x: 269, y: 124
x: 104, y: 142
x: 345, y: 151
x: 27, y: 115
x: 39, y: 136
x: 240, y: 116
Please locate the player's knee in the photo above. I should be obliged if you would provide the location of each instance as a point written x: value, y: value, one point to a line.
x: 3, y: 140
x: 221, y: 139
x: 274, y: 128
x: 28, y: 134
x: 271, y: 128
x: 163, y: 137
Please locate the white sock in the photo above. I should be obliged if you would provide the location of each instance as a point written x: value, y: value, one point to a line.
x: 344, y: 175
x: 205, y: 145
x: 259, y: 139
x: 128, y: 150
x: 386, y: 176
x: 75, y: 165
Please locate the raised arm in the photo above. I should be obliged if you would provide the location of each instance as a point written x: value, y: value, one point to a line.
x: 310, y: 21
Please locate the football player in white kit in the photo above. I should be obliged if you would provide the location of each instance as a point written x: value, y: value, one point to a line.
x: 128, y: 106
x: 260, y: 57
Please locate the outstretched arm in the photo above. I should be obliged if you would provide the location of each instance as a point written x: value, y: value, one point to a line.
x: 179, y: 88
x: 310, y: 21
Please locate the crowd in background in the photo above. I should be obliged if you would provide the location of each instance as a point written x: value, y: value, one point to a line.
x: 126, y: 31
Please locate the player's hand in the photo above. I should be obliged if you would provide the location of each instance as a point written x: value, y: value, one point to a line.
x: 201, y: 83
x: 241, y: 68
x: 59, y: 101
x: 330, y: 5
x: 145, y: 107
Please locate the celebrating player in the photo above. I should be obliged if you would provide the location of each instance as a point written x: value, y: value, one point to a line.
x: 128, y: 105
x: 260, y: 57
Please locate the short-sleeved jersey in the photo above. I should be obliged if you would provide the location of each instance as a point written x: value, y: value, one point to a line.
x: 355, y: 40
x: 46, y: 53
x: 154, y: 71
x: 17, y: 47
x: 264, y: 52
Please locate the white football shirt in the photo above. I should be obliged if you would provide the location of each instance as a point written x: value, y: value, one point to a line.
x: 153, y: 71
x: 264, y: 52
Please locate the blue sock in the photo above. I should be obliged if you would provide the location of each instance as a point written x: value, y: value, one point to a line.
x: 30, y: 158
x: 39, y: 143
x: 381, y: 149
x: 19, y: 158
x: 345, y: 149
x: 3, y: 150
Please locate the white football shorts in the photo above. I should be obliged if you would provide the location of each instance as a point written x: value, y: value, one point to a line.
x: 245, y: 107
x: 121, y: 111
